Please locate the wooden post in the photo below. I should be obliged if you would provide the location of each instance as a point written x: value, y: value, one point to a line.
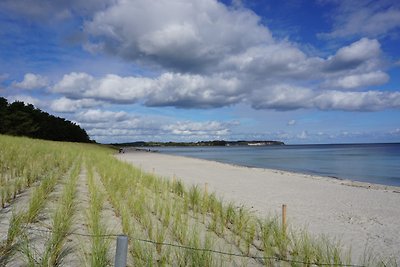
x: 154, y: 170
x: 174, y: 178
x: 284, y: 218
x: 121, y: 251
x: 205, y: 189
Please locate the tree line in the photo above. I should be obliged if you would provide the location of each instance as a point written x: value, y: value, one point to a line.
x: 20, y: 119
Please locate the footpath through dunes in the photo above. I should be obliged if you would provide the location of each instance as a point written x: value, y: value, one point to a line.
x: 362, y: 216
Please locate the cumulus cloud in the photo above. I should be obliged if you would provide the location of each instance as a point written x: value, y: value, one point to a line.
x: 283, y: 97
x: 357, y: 101
x: 196, y: 91
x: 31, y: 81
x: 96, y: 115
x: 111, y: 87
x: 291, y: 98
x: 187, y: 39
x: 201, y: 68
x: 354, y: 55
x: 66, y: 105
x: 364, y: 18
x: 360, y: 80
x: 181, y: 36
x: 198, y: 128
x: 169, y: 89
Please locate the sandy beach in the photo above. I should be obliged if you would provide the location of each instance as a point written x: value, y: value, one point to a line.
x: 362, y: 216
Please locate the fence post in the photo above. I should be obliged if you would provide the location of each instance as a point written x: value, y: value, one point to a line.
x: 121, y: 251
x: 284, y: 218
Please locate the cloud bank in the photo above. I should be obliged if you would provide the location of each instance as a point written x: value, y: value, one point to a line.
x: 209, y: 55
x: 205, y: 55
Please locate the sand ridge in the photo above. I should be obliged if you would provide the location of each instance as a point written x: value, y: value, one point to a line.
x: 359, y: 215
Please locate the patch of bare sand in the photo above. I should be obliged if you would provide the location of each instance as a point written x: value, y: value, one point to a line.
x: 80, y: 244
x: 359, y: 215
x: 110, y: 220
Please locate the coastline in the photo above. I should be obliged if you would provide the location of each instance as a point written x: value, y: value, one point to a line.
x: 342, y: 180
x: 360, y: 215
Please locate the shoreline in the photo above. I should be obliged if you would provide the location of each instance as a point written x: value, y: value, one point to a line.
x: 341, y: 180
x: 359, y: 215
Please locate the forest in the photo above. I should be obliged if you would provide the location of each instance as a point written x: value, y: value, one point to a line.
x: 20, y: 119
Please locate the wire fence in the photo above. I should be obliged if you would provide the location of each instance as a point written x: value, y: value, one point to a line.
x: 264, y: 258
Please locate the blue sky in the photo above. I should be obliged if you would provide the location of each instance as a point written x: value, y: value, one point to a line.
x: 299, y: 71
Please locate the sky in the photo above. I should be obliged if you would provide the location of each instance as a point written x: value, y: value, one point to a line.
x: 297, y: 71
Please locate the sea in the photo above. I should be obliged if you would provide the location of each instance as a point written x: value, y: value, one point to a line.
x: 372, y: 163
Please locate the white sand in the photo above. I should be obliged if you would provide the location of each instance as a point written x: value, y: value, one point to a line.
x: 358, y: 215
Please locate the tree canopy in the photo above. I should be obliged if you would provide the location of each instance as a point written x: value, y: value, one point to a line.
x: 22, y: 119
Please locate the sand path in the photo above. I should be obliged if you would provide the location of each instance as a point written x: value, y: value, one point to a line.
x: 359, y: 215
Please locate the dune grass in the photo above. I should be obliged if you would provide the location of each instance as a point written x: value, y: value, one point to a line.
x: 99, y: 245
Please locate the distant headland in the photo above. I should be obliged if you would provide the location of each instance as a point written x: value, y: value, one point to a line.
x: 200, y: 143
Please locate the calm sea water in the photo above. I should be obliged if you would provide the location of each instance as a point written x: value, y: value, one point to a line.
x: 373, y: 163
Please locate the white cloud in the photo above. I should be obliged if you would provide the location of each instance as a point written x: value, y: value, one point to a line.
x: 357, y: 101
x: 283, y: 97
x: 209, y: 128
x: 111, y: 87
x: 360, y: 80
x: 287, y: 97
x: 291, y: 122
x: 96, y: 115
x: 178, y: 35
x: 31, y: 81
x: 270, y: 61
x: 194, y: 91
x: 66, y: 105
x: 74, y: 84
x: 356, y: 54
x: 169, y: 89
x: 364, y: 18
x: 197, y: 91
x: 187, y: 39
